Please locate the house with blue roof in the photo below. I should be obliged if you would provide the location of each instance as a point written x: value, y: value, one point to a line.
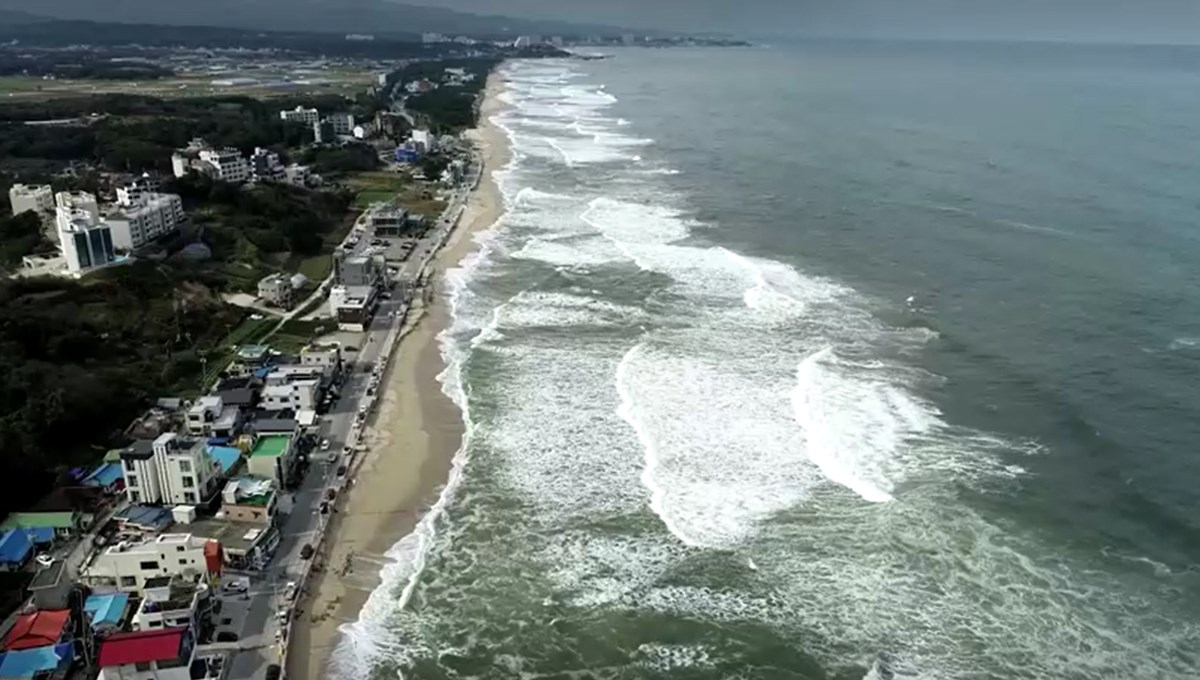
x: 106, y: 611
x: 226, y: 458
x: 29, y: 663
x: 107, y: 476
x: 15, y: 549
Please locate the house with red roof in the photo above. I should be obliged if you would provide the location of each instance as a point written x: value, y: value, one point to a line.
x: 162, y: 654
x: 37, y: 629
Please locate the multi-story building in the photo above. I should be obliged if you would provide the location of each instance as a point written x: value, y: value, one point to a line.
x: 353, y: 306
x: 273, y: 457
x: 226, y: 165
x: 326, y: 356
x: 353, y: 269
x: 169, y: 602
x: 129, y: 566
x: 170, y: 470
x: 300, y: 115
x: 297, y: 175
x: 425, y: 140
x: 31, y: 198
x: 276, y: 289
x: 161, y: 654
x: 250, y: 499
x: 136, y: 190
x: 297, y: 395
x: 343, y: 123
x: 210, y: 416
x: 144, y: 217
x: 265, y: 166
x: 323, y: 132
x: 85, y: 241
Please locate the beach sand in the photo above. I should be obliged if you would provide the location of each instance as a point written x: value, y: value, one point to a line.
x: 412, y: 441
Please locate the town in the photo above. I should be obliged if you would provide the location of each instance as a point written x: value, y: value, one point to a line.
x: 180, y: 552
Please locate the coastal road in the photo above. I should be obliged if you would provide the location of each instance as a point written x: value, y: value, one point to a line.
x: 257, y: 639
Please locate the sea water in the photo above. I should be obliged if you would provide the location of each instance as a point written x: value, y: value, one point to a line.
x: 833, y: 360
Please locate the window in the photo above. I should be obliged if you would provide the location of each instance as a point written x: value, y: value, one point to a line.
x: 189, y: 483
x: 134, y: 497
x: 179, y: 548
x: 131, y: 481
x: 128, y: 581
x: 150, y: 624
x: 148, y: 564
x: 183, y: 560
x: 185, y: 466
x: 189, y: 497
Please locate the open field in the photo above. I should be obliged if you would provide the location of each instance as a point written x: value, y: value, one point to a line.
x: 377, y: 186
x: 262, y: 82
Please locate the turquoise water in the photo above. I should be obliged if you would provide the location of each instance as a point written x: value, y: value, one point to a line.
x: 835, y: 360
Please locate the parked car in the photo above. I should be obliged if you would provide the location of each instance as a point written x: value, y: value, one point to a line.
x: 306, y: 551
x: 330, y: 494
x: 324, y: 444
x: 235, y: 586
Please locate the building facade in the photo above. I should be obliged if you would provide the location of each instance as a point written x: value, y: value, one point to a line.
x: 277, y: 290
x: 86, y: 243
x: 226, y: 165
x: 300, y: 115
x: 129, y: 566
x: 170, y: 470
x: 343, y: 124
x: 31, y: 198
x: 143, y: 218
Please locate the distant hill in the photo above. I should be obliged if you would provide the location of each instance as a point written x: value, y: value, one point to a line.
x: 380, y: 17
x: 17, y: 18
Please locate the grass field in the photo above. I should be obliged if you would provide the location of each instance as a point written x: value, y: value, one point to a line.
x: 251, y: 82
x: 377, y: 186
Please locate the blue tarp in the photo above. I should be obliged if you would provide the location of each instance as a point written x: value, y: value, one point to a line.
x: 15, y: 546
x: 226, y: 457
x: 106, y: 609
x: 146, y: 517
x: 28, y: 662
x: 105, y: 475
x: 263, y: 372
x: 40, y: 535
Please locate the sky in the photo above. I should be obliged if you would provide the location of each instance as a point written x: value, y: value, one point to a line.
x: 1084, y: 20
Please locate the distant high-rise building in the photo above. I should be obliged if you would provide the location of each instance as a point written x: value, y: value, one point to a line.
x: 86, y: 242
x: 300, y: 115
x: 31, y: 198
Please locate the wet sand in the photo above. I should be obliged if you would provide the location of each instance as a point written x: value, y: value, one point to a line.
x: 411, y: 442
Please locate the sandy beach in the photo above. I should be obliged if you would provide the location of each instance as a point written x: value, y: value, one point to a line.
x: 411, y: 441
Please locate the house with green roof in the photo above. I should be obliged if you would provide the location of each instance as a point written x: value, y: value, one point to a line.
x: 273, y: 457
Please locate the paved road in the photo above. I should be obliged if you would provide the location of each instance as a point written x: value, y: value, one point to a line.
x: 257, y: 613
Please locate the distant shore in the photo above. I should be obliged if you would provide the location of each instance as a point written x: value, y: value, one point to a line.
x: 411, y: 441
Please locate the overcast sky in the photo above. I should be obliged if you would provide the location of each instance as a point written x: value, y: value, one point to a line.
x: 1090, y: 20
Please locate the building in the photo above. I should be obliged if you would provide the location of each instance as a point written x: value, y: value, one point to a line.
x: 51, y: 662
x: 300, y: 115
x: 136, y: 190
x: 273, y: 457
x: 343, y: 124
x: 250, y: 499
x: 425, y: 140
x: 298, y: 175
x: 352, y: 269
x: 211, y: 417
x: 128, y: 566
x: 165, y: 654
x: 31, y: 198
x: 144, y: 217
x: 169, y: 602
x: 326, y: 356
x: 323, y: 132
x: 353, y: 306
x: 106, y: 611
x: 37, y: 629
x: 86, y: 243
x: 226, y: 165
x: 303, y: 395
x: 170, y: 470
x: 265, y: 166
x: 15, y: 549
x: 276, y: 289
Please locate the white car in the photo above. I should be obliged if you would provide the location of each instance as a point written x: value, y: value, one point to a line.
x: 235, y: 587
x: 324, y: 444
x: 44, y: 560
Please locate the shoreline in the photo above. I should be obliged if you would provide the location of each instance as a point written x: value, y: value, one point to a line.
x: 412, y: 440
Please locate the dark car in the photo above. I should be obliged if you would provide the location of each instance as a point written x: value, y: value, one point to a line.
x: 274, y: 672
x: 306, y: 552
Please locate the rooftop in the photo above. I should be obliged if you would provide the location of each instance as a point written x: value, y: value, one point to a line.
x: 225, y: 456
x: 37, y: 629
x: 106, y: 609
x: 152, y: 645
x: 27, y: 663
x: 15, y: 546
x: 234, y: 537
x: 145, y: 517
x: 274, y: 427
x: 271, y: 445
x: 253, y: 352
x: 142, y: 449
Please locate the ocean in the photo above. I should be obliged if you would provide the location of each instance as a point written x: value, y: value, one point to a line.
x: 835, y: 360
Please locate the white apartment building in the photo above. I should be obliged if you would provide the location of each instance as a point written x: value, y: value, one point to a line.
x: 86, y: 243
x: 297, y: 175
x: 210, y: 416
x: 31, y: 197
x: 168, y: 602
x: 276, y: 289
x: 327, y: 357
x: 135, y: 191
x: 426, y: 139
x: 226, y: 165
x: 299, y: 395
x: 169, y: 470
x: 343, y: 124
x: 300, y: 115
x: 144, y: 217
x: 128, y: 566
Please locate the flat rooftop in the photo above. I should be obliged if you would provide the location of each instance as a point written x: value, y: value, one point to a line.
x: 235, y: 537
x: 271, y: 445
